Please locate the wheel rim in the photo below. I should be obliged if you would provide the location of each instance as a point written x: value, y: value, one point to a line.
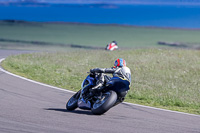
x: 72, y: 101
x: 104, y: 98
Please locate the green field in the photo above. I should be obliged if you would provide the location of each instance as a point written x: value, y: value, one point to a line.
x: 160, y: 78
x: 94, y: 35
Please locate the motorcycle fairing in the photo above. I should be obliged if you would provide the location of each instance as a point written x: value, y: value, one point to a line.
x: 118, y: 85
x: 86, y: 84
x: 83, y: 104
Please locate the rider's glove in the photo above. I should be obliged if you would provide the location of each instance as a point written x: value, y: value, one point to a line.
x: 91, y: 70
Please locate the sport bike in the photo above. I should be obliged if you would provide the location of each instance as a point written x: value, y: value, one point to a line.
x: 113, y: 93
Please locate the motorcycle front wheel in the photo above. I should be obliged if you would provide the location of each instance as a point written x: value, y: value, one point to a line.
x: 102, y: 105
x: 72, y: 104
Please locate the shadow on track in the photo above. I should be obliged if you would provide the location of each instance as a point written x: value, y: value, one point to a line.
x: 74, y: 111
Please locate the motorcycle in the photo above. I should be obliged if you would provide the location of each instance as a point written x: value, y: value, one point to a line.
x: 113, y: 93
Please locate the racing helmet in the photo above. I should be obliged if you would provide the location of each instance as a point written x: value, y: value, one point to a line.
x: 114, y: 42
x: 120, y: 63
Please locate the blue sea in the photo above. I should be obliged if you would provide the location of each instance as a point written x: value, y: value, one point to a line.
x: 137, y: 15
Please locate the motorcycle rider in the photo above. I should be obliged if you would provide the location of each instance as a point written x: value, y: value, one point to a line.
x: 112, y: 46
x: 119, y: 70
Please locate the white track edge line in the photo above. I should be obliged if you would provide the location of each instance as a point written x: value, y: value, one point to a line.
x: 162, y: 109
x: 1, y: 69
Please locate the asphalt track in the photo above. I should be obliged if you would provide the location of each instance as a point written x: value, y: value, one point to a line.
x: 29, y: 107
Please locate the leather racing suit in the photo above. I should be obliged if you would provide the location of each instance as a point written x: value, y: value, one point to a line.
x: 121, y: 72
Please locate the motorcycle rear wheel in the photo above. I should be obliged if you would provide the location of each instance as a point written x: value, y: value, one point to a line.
x: 105, y: 103
x: 72, y: 103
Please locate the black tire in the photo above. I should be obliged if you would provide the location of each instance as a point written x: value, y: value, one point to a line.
x: 72, y: 103
x: 103, y: 106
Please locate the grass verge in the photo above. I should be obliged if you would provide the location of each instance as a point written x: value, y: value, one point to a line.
x: 161, y: 78
x: 95, y: 35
